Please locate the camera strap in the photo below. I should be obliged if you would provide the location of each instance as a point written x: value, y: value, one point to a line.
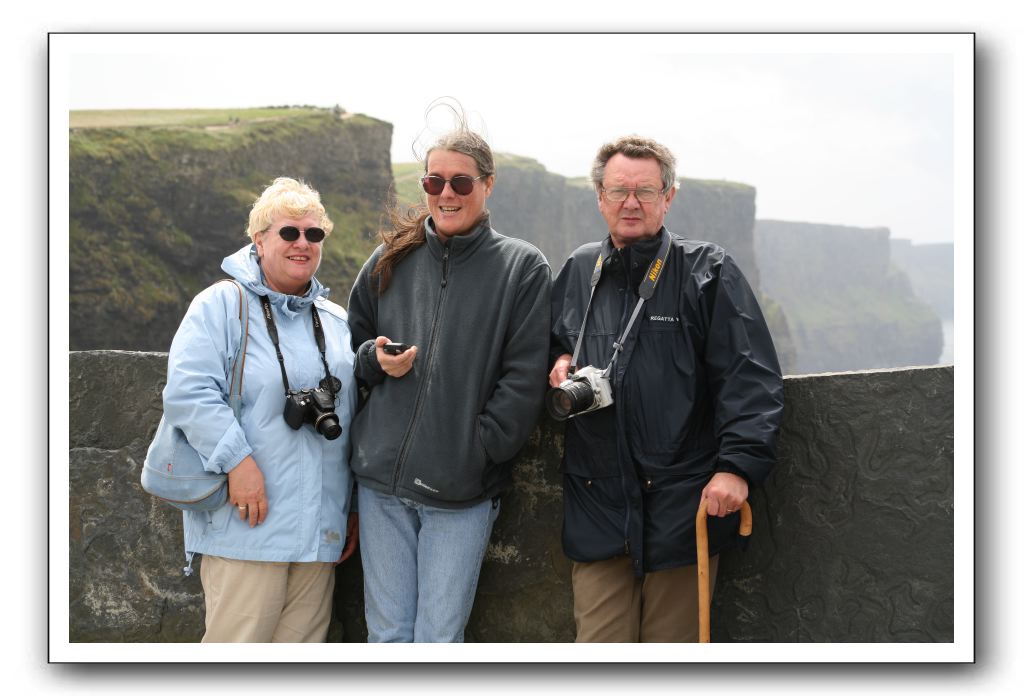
x: 646, y: 291
x: 321, y: 343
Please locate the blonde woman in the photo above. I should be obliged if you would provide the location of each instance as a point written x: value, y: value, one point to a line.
x: 269, y: 555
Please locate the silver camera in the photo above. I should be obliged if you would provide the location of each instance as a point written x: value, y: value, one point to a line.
x: 585, y: 390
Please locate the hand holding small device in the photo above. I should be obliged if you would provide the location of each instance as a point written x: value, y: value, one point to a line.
x: 395, y: 358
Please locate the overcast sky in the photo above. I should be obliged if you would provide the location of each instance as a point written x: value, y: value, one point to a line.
x: 834, y: 128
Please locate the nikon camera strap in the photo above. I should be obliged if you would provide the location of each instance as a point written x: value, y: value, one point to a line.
x: 646, y: 291
x: 321, y: 342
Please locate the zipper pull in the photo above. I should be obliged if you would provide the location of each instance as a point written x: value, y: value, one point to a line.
x: 444, y: 273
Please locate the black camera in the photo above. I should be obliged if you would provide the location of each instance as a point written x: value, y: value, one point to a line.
x: 314, y: 406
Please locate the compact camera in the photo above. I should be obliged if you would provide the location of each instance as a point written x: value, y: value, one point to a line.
x: 314, y: 406
x: 585, y: 390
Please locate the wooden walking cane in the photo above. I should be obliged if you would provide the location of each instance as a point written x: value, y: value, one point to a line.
x: 703, y: 559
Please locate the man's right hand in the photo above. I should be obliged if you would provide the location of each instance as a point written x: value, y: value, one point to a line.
x: 394, y: 365
x: 245, y: 490
x: 560, y: 371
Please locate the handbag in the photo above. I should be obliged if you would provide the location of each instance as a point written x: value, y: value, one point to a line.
x: 173, y: 471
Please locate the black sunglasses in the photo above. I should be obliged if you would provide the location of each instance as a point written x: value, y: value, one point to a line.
x: 461, y: 184
x: 312, y: 234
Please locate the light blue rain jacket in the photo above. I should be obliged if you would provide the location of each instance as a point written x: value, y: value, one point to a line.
x: 307, y: 479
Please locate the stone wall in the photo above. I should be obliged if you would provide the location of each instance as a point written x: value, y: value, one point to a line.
x: 852, y: 536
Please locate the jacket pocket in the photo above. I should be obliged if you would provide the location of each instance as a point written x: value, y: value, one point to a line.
x: 491, y: 472
x: 446, y: 460
x: 219, y: 519
x: 590, y: 448
x: 480, y: 446
x: 594, y: 526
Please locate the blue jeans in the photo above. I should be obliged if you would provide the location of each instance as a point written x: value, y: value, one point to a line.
x: 420, y: 566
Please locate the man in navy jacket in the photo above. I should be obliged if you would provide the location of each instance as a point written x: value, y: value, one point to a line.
x: 697, y: 404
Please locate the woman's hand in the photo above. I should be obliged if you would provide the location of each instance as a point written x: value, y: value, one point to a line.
x: 245, y: 490
x: 394, y: 365
x: 352, y: 538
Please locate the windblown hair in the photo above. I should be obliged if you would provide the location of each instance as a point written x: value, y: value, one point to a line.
x: 408, y: 229
x: 637, y: 148
x: 286, y: 197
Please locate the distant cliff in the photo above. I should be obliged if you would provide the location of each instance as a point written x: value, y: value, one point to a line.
x: 930, y: 268
x: 155, y: 208
x: 848, y: 307
x: 158, y: 198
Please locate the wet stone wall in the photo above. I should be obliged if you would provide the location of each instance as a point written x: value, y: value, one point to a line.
x: 852, y: 535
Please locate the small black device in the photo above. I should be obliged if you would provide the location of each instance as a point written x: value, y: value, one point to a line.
x: 396, y: 348
x: 314, y: 406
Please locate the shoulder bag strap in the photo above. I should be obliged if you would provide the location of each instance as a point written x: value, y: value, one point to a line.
x: 234, y: 399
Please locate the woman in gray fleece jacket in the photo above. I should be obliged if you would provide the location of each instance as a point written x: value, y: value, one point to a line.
x: 443, y: 417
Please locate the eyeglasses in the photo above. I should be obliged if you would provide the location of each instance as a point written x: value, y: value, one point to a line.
x: 461, y: 184
x: 312, y: 234
x: 643, y: 195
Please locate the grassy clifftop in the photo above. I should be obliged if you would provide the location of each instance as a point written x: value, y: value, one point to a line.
x: 158, y: 198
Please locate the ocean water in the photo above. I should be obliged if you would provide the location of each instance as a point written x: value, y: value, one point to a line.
x: 946, y: 351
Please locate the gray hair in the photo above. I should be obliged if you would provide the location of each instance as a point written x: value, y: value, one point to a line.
x: 637, y: 148
x: 468, y: 143
x: 461, y: 138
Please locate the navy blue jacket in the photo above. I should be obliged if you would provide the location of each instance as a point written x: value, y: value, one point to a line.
x: 697, y: 390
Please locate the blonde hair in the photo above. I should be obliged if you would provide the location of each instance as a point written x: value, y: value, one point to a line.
x: 286, y: 197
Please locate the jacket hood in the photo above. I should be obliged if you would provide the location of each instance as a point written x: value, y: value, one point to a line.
x: 243, y: 265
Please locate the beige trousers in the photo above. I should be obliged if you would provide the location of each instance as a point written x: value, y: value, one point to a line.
x: 614, y: 606
x: 261, y: 602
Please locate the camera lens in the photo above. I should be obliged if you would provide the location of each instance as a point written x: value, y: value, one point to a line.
x: 570, y: 399
x: 328, y: 426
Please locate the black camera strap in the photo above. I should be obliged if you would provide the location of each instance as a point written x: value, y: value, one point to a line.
x: 321, y: 343
x: 646, y: 291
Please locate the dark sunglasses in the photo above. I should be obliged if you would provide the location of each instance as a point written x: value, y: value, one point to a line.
x: 461, y: 184
x: 312, y: 234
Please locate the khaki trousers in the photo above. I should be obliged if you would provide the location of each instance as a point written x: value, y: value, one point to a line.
x: 261, y: 602
x: 614, y: 606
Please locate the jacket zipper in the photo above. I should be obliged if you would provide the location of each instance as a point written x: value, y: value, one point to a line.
x: 623, y: 443
x: 418, y: 407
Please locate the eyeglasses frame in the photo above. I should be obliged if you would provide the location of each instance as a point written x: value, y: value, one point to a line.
x: 632, y: 191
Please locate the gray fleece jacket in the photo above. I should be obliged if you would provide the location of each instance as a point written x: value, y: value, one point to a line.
x: 478, y: 309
